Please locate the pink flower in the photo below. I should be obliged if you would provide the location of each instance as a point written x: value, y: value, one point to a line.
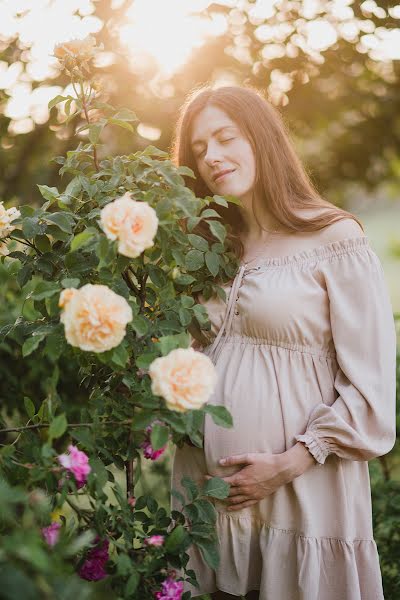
x: 154, y: 540
x: 170, y: 590
x: 77, y: 462
x: 132, y: 501
x: 96, y: 559
x: 148, y: 451
x: 51, y: 533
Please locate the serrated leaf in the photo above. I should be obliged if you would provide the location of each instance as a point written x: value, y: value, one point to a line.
x: 45, y: 289
x: 194, y: 260
x: 159, y: 436
x: 132, y: 584
x: 190, y: 487
x: 49, y: 193
x: 58, y: 426
x: 198, y: 242
x: 212, y: 262
x: 216, y: 488
x: 83, y: 238
x: 220, y: 415
x: 62, y: 220
x: 31, y: 344
x: 70, y: 282
x: 218, y: 230
x: 140, y: 325
x: 56, y: 100
x: 29, y: 407
x: 176, y: 540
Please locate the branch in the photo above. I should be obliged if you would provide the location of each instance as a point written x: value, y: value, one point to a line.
x: 85, y: 110
x: 44, y: 425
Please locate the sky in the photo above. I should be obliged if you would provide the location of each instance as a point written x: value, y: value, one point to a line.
x: 168, y: 40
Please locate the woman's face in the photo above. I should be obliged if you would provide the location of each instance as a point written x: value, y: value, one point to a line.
x: 224, y: 156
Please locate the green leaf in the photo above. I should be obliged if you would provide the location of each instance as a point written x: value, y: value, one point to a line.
x: 170, y: 342
x: 31, y: 227
x: 217, y: 229
x: 95, y: 131
x: 220, y: 415
x: 120, y: 355
x: 198, y: 242
x: 206, y: 510
x: 42, y: 242
x: 209, y: 551
x: 29, y: 407
x: 143, y: 361
x: 210, y: 212
x: 49, y: 193
x: 212, y: 262
x: 132, y: 584
x: 176, y: 540
x: 216, y: 488
x: 159, y: 436
x: 70, y: 282
x: 31, y: 344
x: 83, y: 238
x: 45, y: 289
x: 125, y: 115
x: 121, y: 123
x: 140, y: 325
x: 58, y: 426
x: 56, y: 100
x: 190, y: 487
x: 63, y: 220
x: 194, y: 260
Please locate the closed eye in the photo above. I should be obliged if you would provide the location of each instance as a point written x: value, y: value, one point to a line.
x: 200, y: 154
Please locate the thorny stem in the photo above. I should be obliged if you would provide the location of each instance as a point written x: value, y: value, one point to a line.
x: 26, y: 243
x: 43, y: 425
x: 85, y: 110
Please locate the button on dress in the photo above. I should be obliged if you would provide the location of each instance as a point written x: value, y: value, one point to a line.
x: 305, y: 350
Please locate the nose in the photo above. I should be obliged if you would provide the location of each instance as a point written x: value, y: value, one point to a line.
x: 213, y: 155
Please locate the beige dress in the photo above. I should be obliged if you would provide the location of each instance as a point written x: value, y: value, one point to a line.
x: 306, y: 350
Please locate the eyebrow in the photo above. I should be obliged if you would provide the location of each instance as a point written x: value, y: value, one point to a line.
x: 196, y: 142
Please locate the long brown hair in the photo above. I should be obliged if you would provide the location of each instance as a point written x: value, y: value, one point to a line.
x: 288, y: 190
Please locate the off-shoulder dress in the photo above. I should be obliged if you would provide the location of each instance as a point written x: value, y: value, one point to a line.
x: 305, y: 350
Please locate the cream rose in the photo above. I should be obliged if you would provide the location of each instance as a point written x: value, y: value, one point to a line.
x: 94, y: 317
x: 81, y: 49
x: 6, y: 216
x: 184, y: 378
x: 134, y: 224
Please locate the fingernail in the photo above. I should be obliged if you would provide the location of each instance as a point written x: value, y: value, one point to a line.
x: 222, y: 461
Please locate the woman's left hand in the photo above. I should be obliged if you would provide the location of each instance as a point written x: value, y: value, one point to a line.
x: 263, y: 473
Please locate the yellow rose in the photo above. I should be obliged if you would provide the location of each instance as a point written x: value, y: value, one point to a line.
x: 6, y: 216
x: 78, y: 49
x: 134, y: 224
x: 94, y: 317
x: 184, y: 378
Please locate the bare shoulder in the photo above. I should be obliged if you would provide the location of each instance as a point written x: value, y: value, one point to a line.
x: 341, y: 230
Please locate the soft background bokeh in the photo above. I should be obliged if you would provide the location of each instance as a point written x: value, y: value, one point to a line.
x: 331, y: 67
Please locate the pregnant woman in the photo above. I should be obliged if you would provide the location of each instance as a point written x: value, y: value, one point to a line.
x: 304, y: 348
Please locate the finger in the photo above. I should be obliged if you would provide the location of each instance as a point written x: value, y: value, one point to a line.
x: 235, y: 491
x: 242, y: 505
x: 237, y: 459
x: 237, y: 500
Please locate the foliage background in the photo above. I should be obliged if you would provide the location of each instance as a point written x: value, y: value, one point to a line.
x: 341, y: 102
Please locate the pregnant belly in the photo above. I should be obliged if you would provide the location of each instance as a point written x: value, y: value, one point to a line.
x: 258, y: 426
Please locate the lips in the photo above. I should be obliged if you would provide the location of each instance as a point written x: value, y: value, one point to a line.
x: 220, y: 174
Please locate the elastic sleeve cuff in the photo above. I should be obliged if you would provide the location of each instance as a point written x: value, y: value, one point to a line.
x: 317, y: 447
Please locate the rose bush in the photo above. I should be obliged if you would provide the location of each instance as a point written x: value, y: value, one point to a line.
x: 102, y: 278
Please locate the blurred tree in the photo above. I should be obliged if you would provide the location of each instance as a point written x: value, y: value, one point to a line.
x: 317, y: 61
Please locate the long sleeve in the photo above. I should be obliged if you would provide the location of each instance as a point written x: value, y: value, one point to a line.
x: 361, y: 423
